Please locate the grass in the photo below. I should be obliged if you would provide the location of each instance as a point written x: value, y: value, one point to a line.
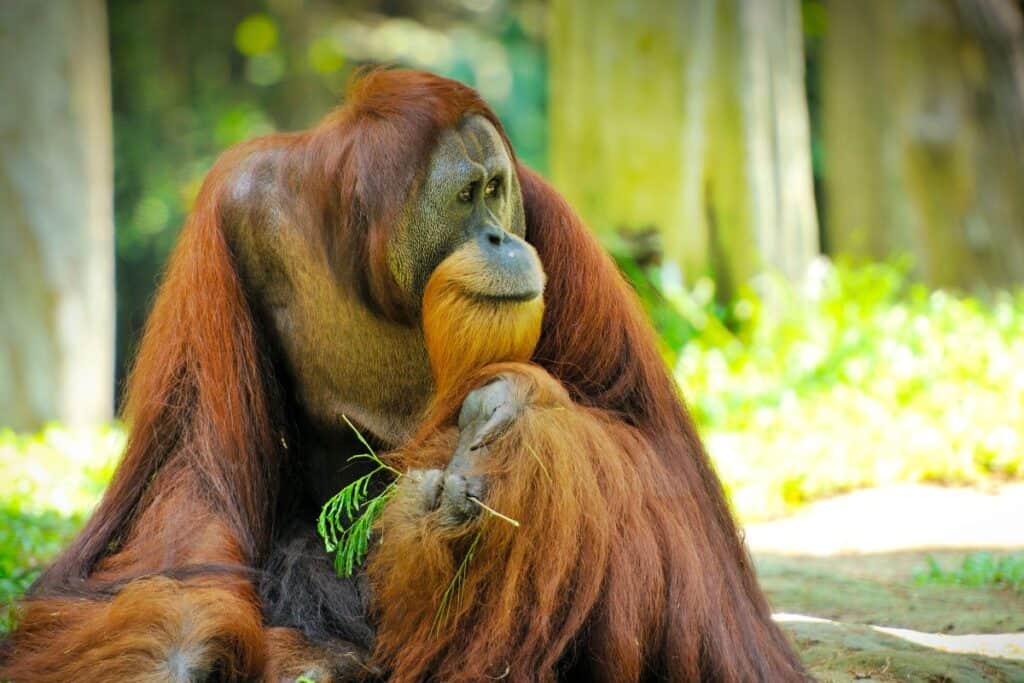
x: 980, y: 569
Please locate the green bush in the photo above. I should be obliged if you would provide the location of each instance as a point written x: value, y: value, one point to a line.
x: 860, y: 379
x: 51, y: 480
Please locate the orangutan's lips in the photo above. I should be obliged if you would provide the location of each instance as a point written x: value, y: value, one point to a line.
x: 509, y: 298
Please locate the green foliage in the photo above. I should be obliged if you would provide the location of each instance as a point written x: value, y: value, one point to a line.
x: 346, y: 520
x: 861, y: 379
x: 977, y: 569
x: 50, y: 482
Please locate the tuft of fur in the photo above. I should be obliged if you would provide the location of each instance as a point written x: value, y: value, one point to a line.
x: 155, y: 630
x: 331, y: 607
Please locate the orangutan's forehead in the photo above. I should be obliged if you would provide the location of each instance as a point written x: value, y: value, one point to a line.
x: 472, y: 151
x: 481, y: 138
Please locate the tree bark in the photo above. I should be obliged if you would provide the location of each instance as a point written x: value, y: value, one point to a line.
x: 922, y: 117
x: 688, y: 118
x: 996, y: 220
x: 56, y: 228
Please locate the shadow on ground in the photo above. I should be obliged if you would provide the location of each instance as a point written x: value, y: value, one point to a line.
x: 857, y: 592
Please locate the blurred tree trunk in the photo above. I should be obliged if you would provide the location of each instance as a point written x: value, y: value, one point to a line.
x: 687, y: 118
x: 56, y: 230
x: 996, y: 222
x: 923, y: 116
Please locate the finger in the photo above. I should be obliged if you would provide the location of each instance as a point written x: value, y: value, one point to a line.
x: 456, y: 502
x: 481, y: 403
x: 428, y: 485
x: 475, y: 487
x: 497, y: 424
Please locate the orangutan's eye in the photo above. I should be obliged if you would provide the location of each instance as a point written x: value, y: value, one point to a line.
x: 466, y: 193
x: 492, y: 187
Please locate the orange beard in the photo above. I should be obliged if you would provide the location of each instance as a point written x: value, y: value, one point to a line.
x: 465, y: 332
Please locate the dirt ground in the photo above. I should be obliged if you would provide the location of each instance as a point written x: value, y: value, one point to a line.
x: 839, y: 576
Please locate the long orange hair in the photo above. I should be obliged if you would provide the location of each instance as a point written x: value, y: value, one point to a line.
x: 626, y: 564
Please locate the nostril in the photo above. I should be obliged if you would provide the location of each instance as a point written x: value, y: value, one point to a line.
x: 494, y: 235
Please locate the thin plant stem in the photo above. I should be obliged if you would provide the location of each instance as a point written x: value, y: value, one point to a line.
x: 494, y: 512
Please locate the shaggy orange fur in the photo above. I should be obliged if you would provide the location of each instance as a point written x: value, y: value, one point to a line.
x: 155, y: 630
x: 575, y: 481
x: 601, y: 539
x: 516, y: 605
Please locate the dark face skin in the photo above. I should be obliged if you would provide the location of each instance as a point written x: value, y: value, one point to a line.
x: 343, y: 358
x: 469, y: 198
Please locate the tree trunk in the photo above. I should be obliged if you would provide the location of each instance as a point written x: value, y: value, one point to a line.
x: 56, y: 229
x: 996, y: 222
x: 922, y: 117
x: 688, y: 118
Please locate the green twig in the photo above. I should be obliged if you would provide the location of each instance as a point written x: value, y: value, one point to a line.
x: 346, y: 520
x: 453, y: 591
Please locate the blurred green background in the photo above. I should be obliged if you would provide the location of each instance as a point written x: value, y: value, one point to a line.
x: 821, y: 205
